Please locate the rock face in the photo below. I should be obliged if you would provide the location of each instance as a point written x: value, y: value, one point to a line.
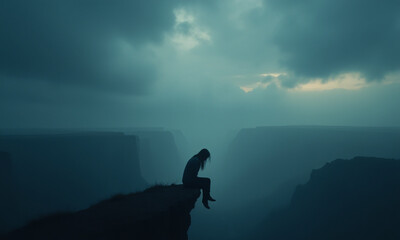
x: 8, y: 199
x: 160, y: 161
x: 345, y: 199
x: 161, y: 212
x: 69, y: 172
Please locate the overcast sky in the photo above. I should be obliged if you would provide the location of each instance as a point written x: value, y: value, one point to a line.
x: 199, y: 65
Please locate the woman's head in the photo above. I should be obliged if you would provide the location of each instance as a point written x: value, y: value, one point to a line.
x: 203, y: 155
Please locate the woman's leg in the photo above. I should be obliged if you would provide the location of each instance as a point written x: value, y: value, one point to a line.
x: 205, y: 185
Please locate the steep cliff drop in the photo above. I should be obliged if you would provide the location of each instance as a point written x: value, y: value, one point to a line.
x: 160, y: 212
x: 345, y: 199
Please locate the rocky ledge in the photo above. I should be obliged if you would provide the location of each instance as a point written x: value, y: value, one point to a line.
x: 160, y: 212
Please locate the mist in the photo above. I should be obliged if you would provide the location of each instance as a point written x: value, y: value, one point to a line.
x: 101, y: 98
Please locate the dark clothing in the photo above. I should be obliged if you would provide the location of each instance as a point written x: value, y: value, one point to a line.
x: 200, y: 182
x: 191, y: 170
x: 190, y: 178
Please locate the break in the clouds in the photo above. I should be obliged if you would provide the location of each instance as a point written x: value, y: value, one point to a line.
x: 96, y: 44
x: 323, y: 39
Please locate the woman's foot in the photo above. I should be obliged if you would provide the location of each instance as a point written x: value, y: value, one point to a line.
x: 211, y: 199
x: 205, y: 203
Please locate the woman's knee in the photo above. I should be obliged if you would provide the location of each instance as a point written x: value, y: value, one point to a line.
x: 204, y: 182
x: 208, y: 181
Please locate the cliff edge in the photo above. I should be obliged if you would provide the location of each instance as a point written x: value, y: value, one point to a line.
x: 160, y: 212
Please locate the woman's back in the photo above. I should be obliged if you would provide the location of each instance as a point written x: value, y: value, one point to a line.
x: 191, y: 170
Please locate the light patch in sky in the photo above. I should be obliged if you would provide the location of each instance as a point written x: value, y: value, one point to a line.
x: 347, y: 81
x: 275, y: 75
x: 187, y: 33
x: 274, y: 79
x: 246, y: 89
x: 181, y: 16
x: 260, y: 84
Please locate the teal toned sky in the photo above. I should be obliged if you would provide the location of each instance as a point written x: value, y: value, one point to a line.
x: 197, y: 65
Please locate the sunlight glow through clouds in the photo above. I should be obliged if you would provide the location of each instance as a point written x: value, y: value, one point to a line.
x: 187, y: 34
x: 251, y: 87
x: 262, y: 84
x: 347, y: 81
x: 246, y: 89
x: 271, y: 74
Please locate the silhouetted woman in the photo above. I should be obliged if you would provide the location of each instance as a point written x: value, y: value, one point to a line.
x: 190, y: 178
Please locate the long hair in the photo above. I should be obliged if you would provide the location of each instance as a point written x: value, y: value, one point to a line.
x: 204, y: 155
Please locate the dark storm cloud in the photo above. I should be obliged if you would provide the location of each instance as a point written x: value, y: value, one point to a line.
x: 97, y: 44
x: 325, y: 38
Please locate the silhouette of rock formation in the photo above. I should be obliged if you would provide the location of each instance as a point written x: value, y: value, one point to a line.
x: 161, y: 212
x: 345, y: 199
x: 277, y: 155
